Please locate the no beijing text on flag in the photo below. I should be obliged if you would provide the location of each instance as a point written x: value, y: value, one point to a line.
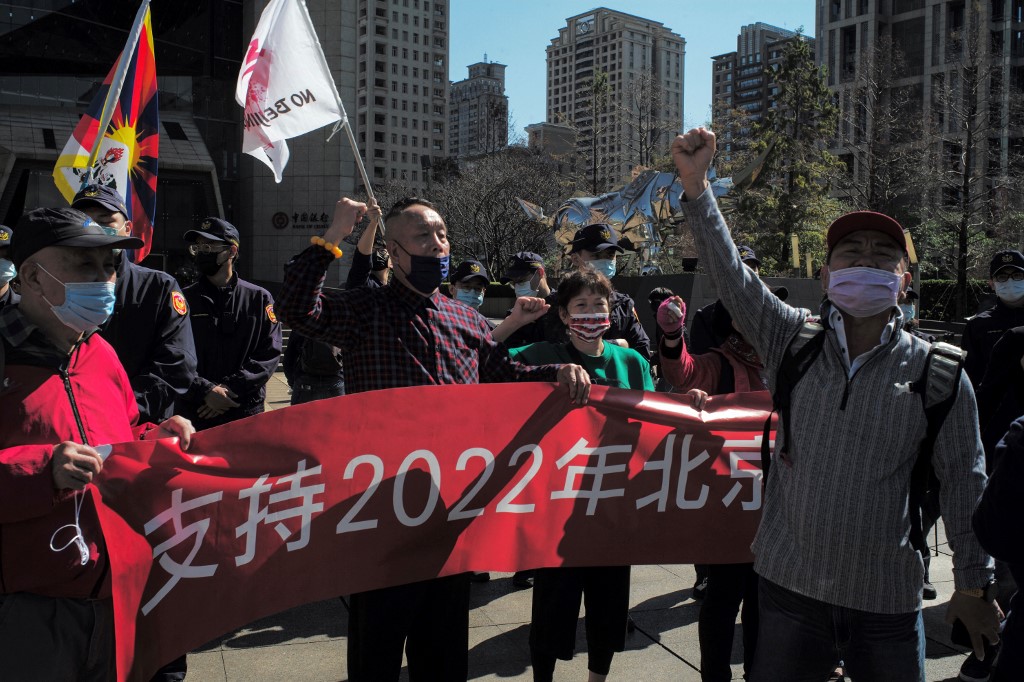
x: 285, y: 85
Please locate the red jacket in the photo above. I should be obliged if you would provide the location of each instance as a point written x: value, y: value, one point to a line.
x: 703, y: 371
x: 37, y: 401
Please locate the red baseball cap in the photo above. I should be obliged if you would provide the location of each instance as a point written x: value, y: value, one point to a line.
x: 864, y: 220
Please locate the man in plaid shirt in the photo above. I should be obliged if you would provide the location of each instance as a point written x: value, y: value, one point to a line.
x: 406, y: 334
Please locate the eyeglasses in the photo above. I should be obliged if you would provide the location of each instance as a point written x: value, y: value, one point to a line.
x: 196, y: 249
x: 1016, y: 276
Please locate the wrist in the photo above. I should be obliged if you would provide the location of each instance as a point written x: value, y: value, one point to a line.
x: 694, y: 187
x: 988, y: 592
x: 330, y: 246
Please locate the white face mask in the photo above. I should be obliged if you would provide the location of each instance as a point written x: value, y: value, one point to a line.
x: 7, y: 271
x: 526, y: 288
x: 1010, y: 292
x: 864, y: 292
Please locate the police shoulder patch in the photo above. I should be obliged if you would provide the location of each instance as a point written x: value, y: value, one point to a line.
x: 178, y: 302
x: 270, y: 314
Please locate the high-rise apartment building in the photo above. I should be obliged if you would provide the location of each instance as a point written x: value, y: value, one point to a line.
x: 739, y: 77
x: 402, y: 88
x: 933, y: 38
x: 643, y: 104
x: 478, y: 112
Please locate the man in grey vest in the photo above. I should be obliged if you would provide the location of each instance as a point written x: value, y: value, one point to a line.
x: 839, y: 577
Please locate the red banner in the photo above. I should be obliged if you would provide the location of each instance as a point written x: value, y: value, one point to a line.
x: 391, y: 487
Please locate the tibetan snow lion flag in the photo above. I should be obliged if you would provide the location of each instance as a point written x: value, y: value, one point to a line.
x: 285, y: 84
x: 124, y: 155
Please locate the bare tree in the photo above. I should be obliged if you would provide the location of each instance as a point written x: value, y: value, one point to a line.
x: 594, y: 124
x: 479, y: 206
x: 881, y: 132
x: 970, y: 188
x: 640, y: 112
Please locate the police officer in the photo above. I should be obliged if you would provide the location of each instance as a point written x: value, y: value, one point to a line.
x: 150, y: 329
x: 597, y: 246
x: 1006, y: 277
x: 238, y: 337
x: 529, y: 279
x: 469, y: 283
x: 7, y: 269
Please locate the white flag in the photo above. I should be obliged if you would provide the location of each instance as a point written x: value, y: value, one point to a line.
x: 285, y: 85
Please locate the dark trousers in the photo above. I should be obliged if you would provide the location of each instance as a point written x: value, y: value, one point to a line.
x: 429, y: 620
x: 557, y: 593
x: 801, y: 639
x: 729, y: 585
x: 63, y: 640
x: 308, y: 388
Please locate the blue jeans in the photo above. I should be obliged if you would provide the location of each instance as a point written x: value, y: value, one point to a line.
x: 804, y: 639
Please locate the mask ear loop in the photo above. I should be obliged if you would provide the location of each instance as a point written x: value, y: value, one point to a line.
x: 78, y: 539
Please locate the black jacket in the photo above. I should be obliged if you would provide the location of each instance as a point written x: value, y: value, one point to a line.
x: 999, y: 518
x: 151, y: 333
x: 9, y: 297
x: 360, y: 275
x: 981, y: 334
x: 238, y: 343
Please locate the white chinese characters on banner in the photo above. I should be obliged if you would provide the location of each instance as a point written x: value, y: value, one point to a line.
x: 290, y: 503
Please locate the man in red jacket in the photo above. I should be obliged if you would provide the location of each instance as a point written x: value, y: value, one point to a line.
x: 62, y: 392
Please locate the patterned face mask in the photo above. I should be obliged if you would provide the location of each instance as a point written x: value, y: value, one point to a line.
x: 589, y: 326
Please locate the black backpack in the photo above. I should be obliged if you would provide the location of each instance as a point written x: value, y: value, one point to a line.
x: 938, y: 387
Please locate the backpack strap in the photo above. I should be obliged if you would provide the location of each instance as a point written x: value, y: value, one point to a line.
x: 803, y: 350
x: 938, y: 387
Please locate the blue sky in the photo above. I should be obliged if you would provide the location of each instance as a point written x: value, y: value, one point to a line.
x: 517, y: 32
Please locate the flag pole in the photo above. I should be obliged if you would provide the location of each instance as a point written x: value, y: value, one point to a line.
x: 344, y: 122
x: 114, y: 92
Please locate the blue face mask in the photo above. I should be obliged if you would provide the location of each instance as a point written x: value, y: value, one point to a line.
x: 86, y: 305
x: 908, y: 312
x: 606, y: 266
x: 526, y: 288
x: 7, y: 271
x: 426, y: 273
x: 473, y: 299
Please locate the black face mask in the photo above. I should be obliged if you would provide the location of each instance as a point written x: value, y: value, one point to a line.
x: 427, y: 272
x: 207, y: 263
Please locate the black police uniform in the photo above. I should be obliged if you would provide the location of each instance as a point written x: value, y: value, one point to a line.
x: 151, y: 332
x: 1001, y: 391
x: 9, y: 297
x: 981, y: 334
x: 997, y: 523
x: 238, y: 344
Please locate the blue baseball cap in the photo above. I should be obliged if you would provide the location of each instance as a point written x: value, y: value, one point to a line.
x: 214, y: 229
x: 100, y: 195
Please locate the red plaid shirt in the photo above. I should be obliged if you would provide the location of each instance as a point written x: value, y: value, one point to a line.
x: 393, y: 337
